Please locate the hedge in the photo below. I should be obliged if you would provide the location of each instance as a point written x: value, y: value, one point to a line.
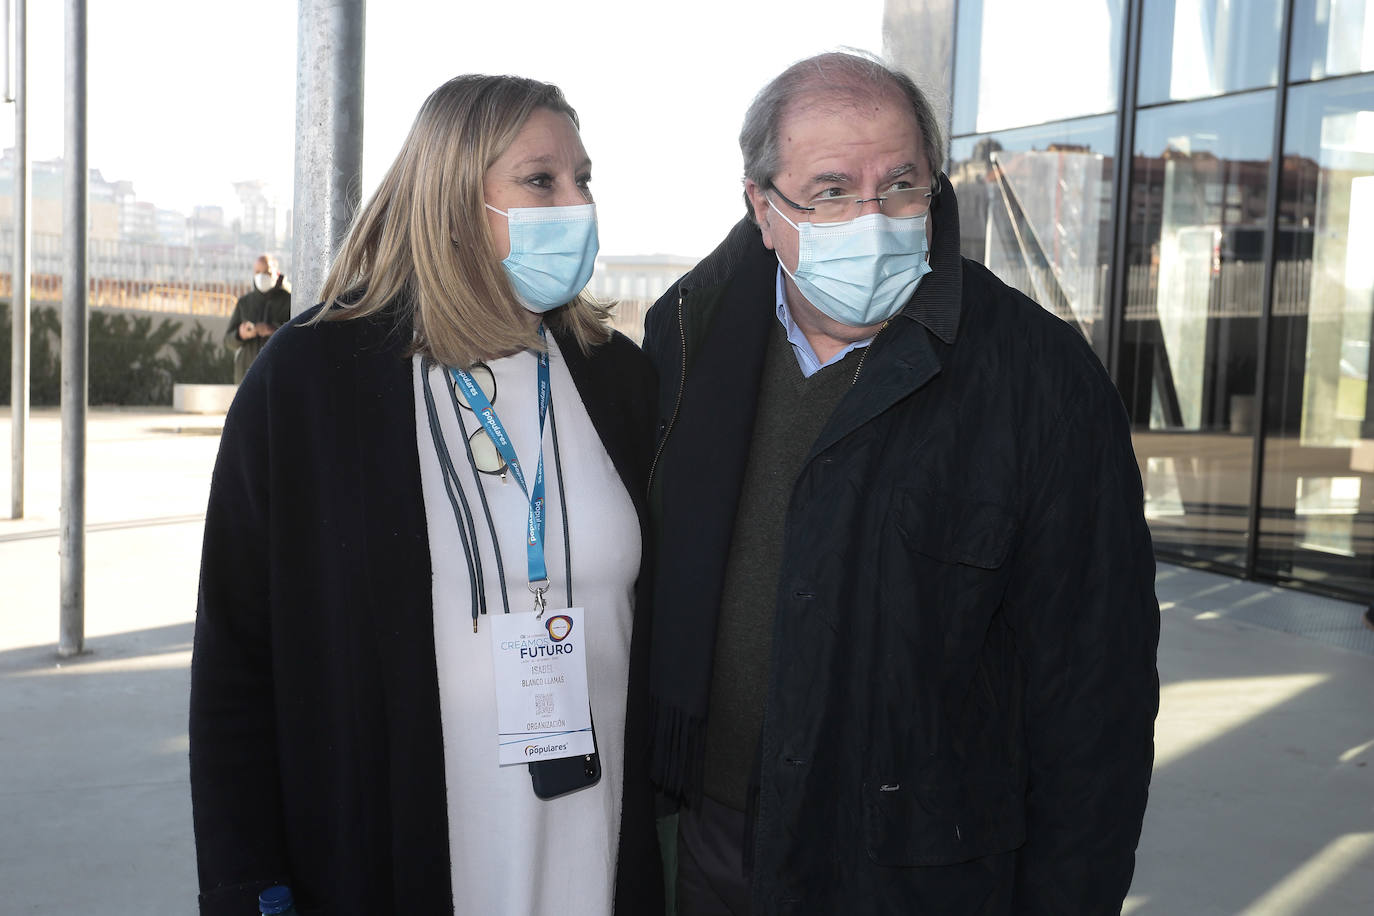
x: 133, y: 360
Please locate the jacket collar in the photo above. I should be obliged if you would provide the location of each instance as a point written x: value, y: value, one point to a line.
x: 936, y: 303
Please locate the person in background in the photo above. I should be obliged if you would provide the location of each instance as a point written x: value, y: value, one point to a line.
x: 258, y: 314
x: 904, y: 622
x: 429, y: 500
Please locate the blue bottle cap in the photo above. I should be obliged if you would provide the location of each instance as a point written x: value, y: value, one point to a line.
x: 275, y: 900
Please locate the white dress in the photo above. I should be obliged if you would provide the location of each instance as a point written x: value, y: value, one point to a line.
x: 512, y: 852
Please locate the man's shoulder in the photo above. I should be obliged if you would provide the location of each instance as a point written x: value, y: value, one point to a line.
x: 991, y: 307
x: 693, y: 300
x: 1041, y: 348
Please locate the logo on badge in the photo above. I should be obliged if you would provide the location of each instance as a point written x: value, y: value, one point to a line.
x: 559, y: 626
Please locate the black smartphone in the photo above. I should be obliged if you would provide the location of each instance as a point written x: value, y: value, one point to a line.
x: 553, y: 778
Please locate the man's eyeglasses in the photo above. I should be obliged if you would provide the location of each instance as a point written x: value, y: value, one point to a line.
x: 899, y: 203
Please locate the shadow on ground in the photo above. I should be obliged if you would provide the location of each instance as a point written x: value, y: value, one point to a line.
x: 1263, y: 794
x: 95, y: 799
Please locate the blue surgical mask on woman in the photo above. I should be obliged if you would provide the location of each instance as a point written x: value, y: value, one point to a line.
x: 552, y: 253
x: 860, y: 272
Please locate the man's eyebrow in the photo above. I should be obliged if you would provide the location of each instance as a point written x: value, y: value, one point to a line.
x: 844, y: 178
x: 831, y: 178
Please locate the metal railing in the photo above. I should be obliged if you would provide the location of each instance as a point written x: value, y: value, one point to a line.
x: 150, y: 277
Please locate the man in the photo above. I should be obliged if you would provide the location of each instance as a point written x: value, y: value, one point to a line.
x: 257, y: 314
x: 905, y: 624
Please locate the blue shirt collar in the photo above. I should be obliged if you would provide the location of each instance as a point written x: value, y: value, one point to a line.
x: 807, y: 359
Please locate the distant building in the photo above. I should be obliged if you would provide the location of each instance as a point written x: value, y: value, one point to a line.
x: 633, y: 282
x: 45, y: 193
x: 141, y: 256
x: 258, y: 224
x: 637, y: 276
x: 139, y: 222
x: 172, y: 227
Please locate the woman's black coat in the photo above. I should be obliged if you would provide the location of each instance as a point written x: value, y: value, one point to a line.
x: 316, y: 754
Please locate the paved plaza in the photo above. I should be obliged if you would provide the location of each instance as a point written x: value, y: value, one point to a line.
x: 1262, y: 801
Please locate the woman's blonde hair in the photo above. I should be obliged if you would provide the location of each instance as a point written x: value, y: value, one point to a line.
x: 423, y: 241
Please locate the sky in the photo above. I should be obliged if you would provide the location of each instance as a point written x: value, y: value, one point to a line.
x: 187, y: 97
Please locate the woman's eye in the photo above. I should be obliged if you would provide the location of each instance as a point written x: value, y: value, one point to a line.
x: 541, y: 181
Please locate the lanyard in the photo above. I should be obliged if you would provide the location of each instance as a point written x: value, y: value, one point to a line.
x: 486, y: 413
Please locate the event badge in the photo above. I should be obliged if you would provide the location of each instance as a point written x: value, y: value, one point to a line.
x: 542, y: 707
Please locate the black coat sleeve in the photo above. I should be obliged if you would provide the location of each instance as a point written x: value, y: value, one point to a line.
x: 1083, y: 607
x: 232, y: 340
x: 235, y: 786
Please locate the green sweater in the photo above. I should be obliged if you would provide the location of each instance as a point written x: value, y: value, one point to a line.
x: 792, y: 410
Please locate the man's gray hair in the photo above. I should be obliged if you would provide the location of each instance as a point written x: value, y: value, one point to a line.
x: 836, y: 74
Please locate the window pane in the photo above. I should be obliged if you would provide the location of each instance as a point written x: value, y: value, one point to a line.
x: 1195, y: 263
x: 1331, y: 37
x: 1319, y: 448
x: 1012, y: 69
x: 1035, y: 206
x: 1191, y: 49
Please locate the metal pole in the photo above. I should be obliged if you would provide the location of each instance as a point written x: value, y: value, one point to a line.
x: 20, y: 274
x: 1255, y: 513
x: 9, y: 59
x: 329, y: 137
x: 74, y: 316
x: 1122, y: 186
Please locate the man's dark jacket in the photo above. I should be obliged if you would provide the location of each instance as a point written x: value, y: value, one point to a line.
x: 317, y: 758
x: 962, y: 689
x: 272, y: 307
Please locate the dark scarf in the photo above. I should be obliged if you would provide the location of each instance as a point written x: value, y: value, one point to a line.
x: 701, y: 472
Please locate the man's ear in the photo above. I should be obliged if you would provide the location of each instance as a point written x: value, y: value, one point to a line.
x: 762, y: 212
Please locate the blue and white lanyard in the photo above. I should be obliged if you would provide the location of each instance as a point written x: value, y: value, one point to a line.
x: 486, y: 414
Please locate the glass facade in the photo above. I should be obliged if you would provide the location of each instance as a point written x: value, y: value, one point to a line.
x: 1331, y: 38
x: 1190, y: 328
x: 1035, y: 206
x: 1192, y: 188
x: 1000, y: 43
x: 1191, y: 49
x: 1318, y: 488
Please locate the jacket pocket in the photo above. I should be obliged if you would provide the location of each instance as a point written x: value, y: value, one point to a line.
x: 941, y: 822
x: 954, y: 529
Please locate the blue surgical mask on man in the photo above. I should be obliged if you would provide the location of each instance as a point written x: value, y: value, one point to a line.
x: 552, y: 253
x: 860, y: 272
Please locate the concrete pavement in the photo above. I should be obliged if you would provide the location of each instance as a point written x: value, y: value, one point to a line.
x: 1262, y: 803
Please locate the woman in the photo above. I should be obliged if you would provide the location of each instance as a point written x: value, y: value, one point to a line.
x: 366, y: 557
